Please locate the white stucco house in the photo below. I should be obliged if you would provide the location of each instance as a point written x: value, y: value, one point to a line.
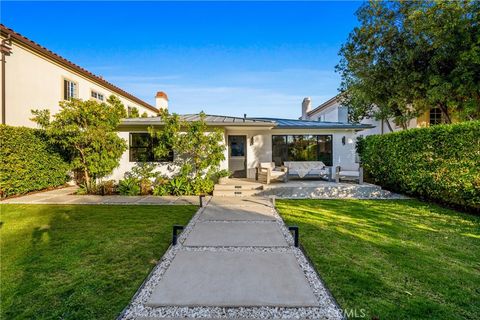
x: 333, y: 110
x: 36, y: 78
x: 251, y: 141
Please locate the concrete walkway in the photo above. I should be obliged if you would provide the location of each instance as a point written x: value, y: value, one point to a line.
x: 234, y: 260
x: 68, y: 196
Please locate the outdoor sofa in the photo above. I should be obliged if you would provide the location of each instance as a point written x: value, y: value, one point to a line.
x: 308, y: 169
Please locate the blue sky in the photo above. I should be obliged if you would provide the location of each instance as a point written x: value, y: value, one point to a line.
x: 259, y: 58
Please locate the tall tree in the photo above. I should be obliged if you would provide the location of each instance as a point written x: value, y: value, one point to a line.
x: 409, y: 56
x: 86, y: 130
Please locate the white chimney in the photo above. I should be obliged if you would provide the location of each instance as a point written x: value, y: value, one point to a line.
x: 161, y: 101
x: 306, y: 107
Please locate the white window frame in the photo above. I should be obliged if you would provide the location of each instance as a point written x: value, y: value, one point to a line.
x: 69, y: 90
x: 95, y: 95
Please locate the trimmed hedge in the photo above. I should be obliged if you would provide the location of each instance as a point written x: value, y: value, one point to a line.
x: 440, y: 163
x: 28, y: 162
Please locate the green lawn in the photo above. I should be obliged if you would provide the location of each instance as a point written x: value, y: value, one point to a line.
x: 79, y: 261
x: 401, y: 259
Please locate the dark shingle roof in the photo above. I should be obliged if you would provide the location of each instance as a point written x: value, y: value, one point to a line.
x: 308, y: 124
x: 278, y: 123
x: 209, y: 119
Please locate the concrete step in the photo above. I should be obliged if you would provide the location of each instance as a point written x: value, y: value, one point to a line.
x: 236, y: 193
x: 236, y: 187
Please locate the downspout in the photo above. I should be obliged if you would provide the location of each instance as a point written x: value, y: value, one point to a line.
x: 6, y: 50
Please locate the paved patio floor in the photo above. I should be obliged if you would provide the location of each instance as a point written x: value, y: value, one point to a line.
x: 234, y: 260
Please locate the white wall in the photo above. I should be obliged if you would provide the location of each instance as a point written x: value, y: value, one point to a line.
x: 34, y: 82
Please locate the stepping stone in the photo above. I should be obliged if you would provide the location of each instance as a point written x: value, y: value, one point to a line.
x: 227, y: 213
x: 236, y: 234
x: 233, y: 279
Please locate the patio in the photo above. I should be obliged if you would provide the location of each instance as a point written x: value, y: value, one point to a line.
x: 304, y: 189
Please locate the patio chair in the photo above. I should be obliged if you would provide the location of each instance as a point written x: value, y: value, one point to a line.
x: 352, y: 174
x: 267, y: 172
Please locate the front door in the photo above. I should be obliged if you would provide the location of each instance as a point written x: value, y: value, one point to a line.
x: 237, y: 156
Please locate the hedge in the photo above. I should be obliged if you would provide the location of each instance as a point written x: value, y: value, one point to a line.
x: 28, y: 162
x: 440, y: 163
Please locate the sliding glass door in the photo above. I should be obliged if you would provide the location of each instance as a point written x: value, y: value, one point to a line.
x: 302, y: 148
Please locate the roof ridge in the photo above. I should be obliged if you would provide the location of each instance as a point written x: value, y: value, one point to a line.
x: 50, y: 54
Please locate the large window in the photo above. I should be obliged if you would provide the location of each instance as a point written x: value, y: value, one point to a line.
x: 141, y: 148
x: 302, y: 148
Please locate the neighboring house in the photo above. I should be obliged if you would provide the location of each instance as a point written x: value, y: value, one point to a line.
x: 332, y: 110
x: 34, y: 77
x: 250, y: 141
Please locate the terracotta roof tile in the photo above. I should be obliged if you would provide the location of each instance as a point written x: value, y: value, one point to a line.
x: 17, y: 37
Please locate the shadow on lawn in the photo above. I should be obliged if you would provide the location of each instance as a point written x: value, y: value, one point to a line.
x: 81, y: 262
x: 36, y: 294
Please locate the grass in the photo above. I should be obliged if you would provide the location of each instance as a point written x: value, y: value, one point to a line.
x: 395, y: 259
x: 79, y: 262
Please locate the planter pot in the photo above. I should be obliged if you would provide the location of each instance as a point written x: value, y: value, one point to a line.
x: 222, y: 180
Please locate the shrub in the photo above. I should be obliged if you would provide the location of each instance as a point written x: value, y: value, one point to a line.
x: 179, y: 186
x: 203, y: 185
x: 161, y: 190
x: 440, y: 163
x: 28, y: 162
x: 144, y: 173
x: 129, y: 187
x: 106, y: 188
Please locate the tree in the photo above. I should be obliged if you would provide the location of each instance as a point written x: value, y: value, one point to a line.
x: 198, y: 149
x: 409, y: 56
x: 86, y: 130
x: 134, y: 113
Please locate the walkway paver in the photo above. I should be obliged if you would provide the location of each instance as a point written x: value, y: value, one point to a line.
x: 236, y: 234
x: 235, y: 213
x: 205, y: 278
x: 234, y: 260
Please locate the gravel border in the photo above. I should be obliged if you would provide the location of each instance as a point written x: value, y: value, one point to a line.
x: 328, y: 309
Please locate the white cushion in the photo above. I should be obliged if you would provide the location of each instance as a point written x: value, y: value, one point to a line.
x: 277, y: 173
x: 348, y: 173
x: 318, y: 171
x: 268, y: 165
